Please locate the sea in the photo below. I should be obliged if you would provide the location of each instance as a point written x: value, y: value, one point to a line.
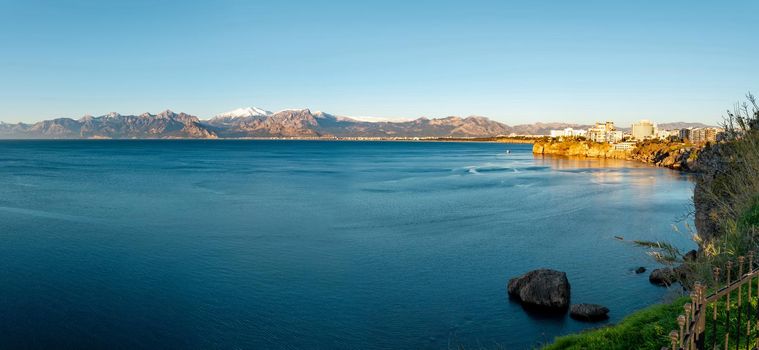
x: 274, y: 244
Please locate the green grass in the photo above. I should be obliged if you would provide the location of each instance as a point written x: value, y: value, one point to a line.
x: 750, y: 218
x: 645, y: 329
x: 649, y: 328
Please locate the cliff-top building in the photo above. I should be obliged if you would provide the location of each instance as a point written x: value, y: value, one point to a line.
x: 605, y: 132
x: 644, y: 130
x: 703, y: 135
x: 569, y: 132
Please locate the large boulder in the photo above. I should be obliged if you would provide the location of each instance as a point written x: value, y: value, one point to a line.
x: 542, y: 289
x: 662, y: 277
x: 589, y: 312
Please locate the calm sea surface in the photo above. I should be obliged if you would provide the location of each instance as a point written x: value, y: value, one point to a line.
x: 313, y: 245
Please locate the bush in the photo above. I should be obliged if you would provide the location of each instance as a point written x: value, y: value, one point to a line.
x: 750, y: 219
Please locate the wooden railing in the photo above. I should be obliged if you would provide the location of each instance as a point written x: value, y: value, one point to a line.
x: 706, y: 317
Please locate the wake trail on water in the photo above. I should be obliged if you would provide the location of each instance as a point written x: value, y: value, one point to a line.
x: 47, y: 214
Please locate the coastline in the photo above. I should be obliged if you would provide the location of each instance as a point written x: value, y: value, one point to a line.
x: 673, y: 155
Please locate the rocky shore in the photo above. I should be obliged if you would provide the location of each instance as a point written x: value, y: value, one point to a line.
x: 673, y: 155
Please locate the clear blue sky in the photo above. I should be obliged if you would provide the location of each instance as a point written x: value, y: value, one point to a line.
x: 513, y: 61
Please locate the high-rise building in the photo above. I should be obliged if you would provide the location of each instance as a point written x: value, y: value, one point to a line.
x: 644, y: 130
x: 703, y: 135
x: 685, y: 134
x: 700, y: 135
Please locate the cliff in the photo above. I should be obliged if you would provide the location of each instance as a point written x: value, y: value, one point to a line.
x: 727, y: 188
x: 673, y: 155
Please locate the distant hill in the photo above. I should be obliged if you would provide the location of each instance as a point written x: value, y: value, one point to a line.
x: 249, y: 123
x: 304, y: 123
x: 683, y: 125
x: 254, y: 122
x: 166, y: 124
x: 545, y: 128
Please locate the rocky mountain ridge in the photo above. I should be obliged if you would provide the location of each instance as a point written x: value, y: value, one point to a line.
x: 166, y: 124
x: 252, y: 122
x: 255, y: 123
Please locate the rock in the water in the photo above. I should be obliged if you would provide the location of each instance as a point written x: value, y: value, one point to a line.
x: 543, y: 289
x: 589, y: 312
x: 662, y: 277
x: 640, y: 270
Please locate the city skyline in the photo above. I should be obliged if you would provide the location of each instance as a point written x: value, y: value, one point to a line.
x: 516, y: 63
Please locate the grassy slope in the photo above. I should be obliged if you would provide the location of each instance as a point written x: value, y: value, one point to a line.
x: 750, y: 218
x: 645, y: 329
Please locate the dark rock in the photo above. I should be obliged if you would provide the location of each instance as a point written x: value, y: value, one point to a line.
x: 542, y: 289
x: 690, y: 256
x: 589, y: 312
x: 683, y: 275
x: 640, y: 270
x: 662, y: 277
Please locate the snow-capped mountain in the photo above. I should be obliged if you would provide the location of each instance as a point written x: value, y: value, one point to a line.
x: 244, y: 113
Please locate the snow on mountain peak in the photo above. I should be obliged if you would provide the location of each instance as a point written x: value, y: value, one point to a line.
x: 244, y: 112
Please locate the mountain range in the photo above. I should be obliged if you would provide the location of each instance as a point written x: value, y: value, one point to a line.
x: 254, y: 122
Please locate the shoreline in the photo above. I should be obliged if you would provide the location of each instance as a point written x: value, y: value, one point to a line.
x: 673, y: 155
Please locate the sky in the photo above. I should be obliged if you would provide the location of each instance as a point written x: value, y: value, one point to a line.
x: 513, y: 61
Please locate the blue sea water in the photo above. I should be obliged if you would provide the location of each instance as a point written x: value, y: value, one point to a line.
x: 314, y: 245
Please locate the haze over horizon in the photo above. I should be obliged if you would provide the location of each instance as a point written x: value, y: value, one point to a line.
x: 517, y: 63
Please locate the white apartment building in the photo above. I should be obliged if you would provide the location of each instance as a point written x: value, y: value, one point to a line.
x: 605, y: 132
x: 569, y: 132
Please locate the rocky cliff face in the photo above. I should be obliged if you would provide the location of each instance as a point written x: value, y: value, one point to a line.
x: 577, y: 149
x: 712, y: 193
x: 669, y: 155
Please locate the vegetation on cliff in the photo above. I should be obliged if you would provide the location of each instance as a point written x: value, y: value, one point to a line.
x: 727, y: 191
